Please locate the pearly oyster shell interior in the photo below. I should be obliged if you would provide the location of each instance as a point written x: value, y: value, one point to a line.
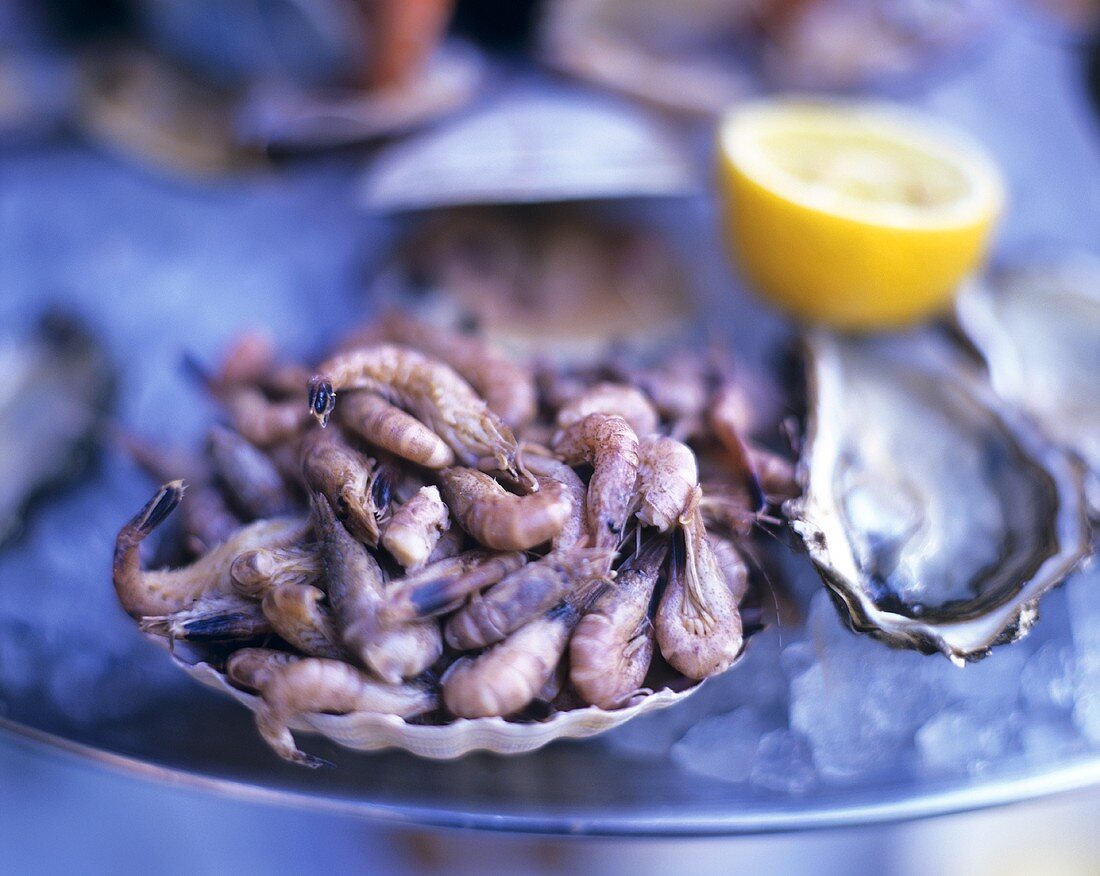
x: 365, y: 731
x: 1037, y: 327
x: 937, y: 518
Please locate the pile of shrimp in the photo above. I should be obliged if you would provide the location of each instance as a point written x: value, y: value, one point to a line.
x: 421, y: 527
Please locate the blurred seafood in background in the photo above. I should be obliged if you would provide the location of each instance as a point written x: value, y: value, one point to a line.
x: 44, y: 445
x: 701, y: 57
x: 538, y: 237
x: 684, y: 56
x: 555, y: 279
x: 845, y: 44
x: 35, y: 94
x: 206, y: 86
x: 36, y: 81
x: 1079, y: 18
x: 156, y: 112
x: 1037, y: 326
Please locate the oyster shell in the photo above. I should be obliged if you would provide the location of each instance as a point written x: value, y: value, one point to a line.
x: 1038, y: 328
x: 937, y: 519
x: 364, y: 731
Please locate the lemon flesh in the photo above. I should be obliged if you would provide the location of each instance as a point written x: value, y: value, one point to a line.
x: 861, y: 216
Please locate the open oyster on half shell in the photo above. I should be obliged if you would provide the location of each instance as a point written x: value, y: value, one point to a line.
x: 937, y: 518
x: 1037, y: 327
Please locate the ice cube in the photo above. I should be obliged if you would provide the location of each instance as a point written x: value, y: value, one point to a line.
x: 1083, y: 599
x: 783, y: 763
x: 860, y: 704
x: 961, y: 740
x: 995, y: 678
x: 1047, y: 680
x: 1047, y: 740
x: 756, y: 680
x: 722, y: 747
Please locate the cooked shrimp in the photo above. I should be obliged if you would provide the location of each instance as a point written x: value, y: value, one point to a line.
x: 698, y: 626
x: 503, y: 520
x: 450, y: 544
x: 261, y: 421
x: 491, y: 616
x: 249, y: 668
x: 667, y: 477
x: 292, y: 687
x: 430, y: 390
x: 728, y: 507
x: 251, y: 478
x: 165, y: 591
x: 441, y: 587
x: 345, y: 477
x: 776, y: 474
x: 610, y: 652
x: 546, y: 468
x: 557, y: 386
x: 295, y: 612
x: 414, y: 529
x: 251, y: 360
x: 211, y: 619
x: 504, y: 679
x: 607, y: 442
x: 255, y: 573
x: 734, y: 568
x: 507, y: 387
x: 728, y: 419
x: 355, y: 591
x: 611, y: 398
x: 677, y: 387
x: 248, y: 359
x: 207, y: 520
x: 378, y: 422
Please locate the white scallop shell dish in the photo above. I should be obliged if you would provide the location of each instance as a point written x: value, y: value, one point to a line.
x: 368, y: 731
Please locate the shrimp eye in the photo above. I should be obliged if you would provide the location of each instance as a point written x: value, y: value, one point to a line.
x: 322, y: 399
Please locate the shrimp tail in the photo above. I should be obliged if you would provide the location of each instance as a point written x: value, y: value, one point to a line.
x: 157, y: 509
x: 219, y: 624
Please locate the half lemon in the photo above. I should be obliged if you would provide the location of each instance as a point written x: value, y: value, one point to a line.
x: 859, y: 215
